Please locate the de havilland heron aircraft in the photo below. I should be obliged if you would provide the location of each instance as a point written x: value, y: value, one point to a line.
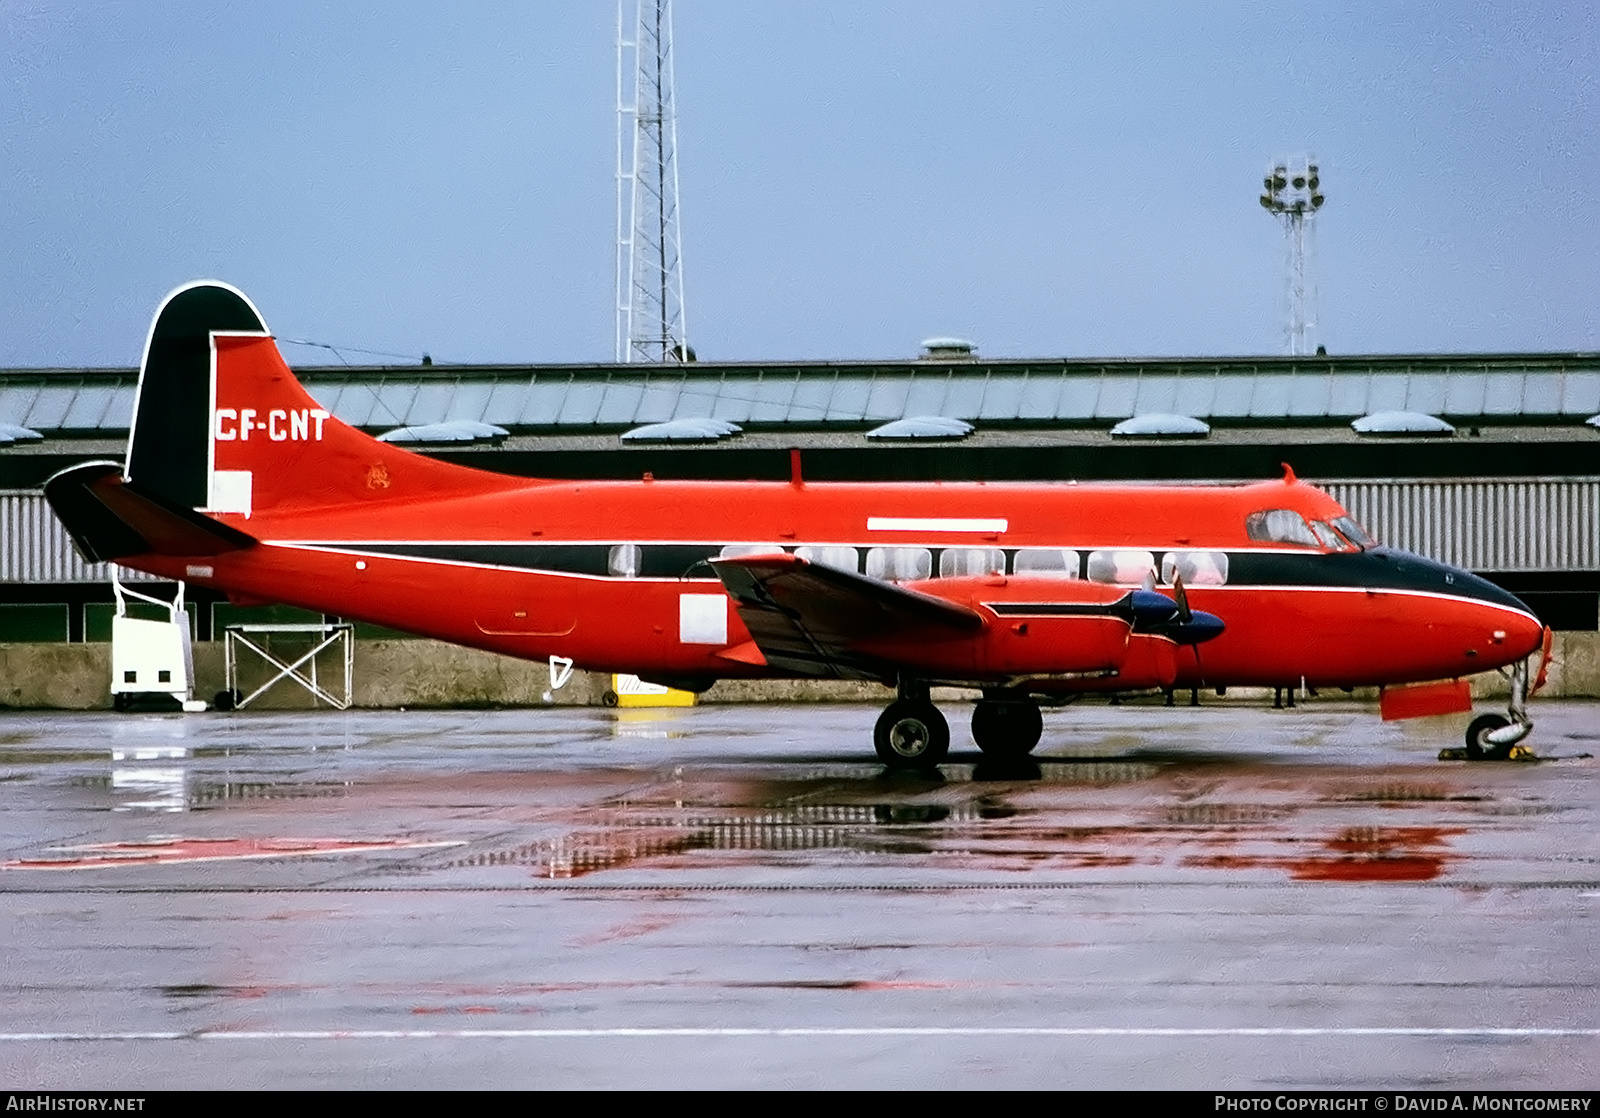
x: 237, y: 479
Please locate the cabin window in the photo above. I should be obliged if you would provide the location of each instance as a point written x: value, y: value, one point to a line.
x: 1052, y: 562
x: 956, y: 562
x: 839, y: 558
x: 1279, y: 526
x: 1196, y: 568
x: 1354, y: 532
x: 737, y: 550
x: 899, y: 564
x: 1123, y: 567
x: 623, y: 562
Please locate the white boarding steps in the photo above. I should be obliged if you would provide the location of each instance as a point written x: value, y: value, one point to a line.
x: 151, y: 657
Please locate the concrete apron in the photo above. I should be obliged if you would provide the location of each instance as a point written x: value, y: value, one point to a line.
x: 420, y: 673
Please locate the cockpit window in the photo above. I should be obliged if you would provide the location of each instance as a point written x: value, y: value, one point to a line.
x: 1354, y: 532
x: 1327, y: 537
x: 1279, y: 526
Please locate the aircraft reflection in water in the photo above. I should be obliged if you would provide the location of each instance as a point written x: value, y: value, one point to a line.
x: 238, y: 480
x: 990, y: 833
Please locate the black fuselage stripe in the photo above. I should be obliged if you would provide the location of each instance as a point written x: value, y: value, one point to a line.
x: 1373, y: 569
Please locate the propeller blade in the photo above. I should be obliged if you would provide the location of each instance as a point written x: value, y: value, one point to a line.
x: 1185, y: 614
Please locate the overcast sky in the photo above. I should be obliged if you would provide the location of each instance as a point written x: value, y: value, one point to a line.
x: 1046, y: 179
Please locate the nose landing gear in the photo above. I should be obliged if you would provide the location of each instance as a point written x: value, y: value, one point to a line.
x: 1494, y: 737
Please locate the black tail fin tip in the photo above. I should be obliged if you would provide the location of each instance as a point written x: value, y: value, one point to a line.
x: 170, y: 441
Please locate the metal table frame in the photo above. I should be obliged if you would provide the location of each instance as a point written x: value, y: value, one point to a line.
x: 341, y: 633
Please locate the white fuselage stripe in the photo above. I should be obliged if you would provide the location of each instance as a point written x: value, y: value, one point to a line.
x: 664, y: 1032
x: 934, y: 524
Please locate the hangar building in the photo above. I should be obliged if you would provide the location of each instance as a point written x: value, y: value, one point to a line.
x: 1486, y: 461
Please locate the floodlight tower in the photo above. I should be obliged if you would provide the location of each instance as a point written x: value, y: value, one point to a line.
x: 1293, y: 194
x: 650, y: 313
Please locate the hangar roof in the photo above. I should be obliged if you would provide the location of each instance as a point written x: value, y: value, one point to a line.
x: 1009, y: 393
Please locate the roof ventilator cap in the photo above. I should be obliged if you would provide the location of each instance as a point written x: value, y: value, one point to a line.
x: 949, y: 349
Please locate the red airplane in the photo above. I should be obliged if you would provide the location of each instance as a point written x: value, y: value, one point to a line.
x: 236, y: 479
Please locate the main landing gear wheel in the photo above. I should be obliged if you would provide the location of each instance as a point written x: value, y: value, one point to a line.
x: 1006, y: 729
x: 1479, y: 747
x: 911, y: 734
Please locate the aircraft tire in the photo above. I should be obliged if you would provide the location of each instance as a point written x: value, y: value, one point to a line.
x: 1480, y: 750
x: 911, y: 734
x: 1006, y: 728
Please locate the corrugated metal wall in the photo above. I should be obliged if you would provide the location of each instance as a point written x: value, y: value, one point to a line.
x: 1484, y: 525
x: 34, y: 547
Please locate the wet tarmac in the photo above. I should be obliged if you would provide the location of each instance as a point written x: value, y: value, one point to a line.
x: 739, y: 896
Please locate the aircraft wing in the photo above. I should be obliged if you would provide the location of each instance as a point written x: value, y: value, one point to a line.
x: 812, y: 620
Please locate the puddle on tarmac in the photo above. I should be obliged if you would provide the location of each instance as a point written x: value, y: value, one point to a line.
x: 701, y: 824
x: 162, y: 789
x: 46, y: 756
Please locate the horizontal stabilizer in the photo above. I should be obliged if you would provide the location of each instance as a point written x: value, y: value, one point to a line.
x: 809, y: 619
x: 109, y: 518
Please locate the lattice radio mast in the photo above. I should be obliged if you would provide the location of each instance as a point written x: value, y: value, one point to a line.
x: 1293, y: 194
x: 650, y: 311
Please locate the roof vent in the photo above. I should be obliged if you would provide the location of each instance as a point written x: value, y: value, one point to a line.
x: 923, y: 427
x: 11, y: 433
x: 1161, y: 425
x: 697, y: 430
x: 948, y: 349
x: 450, y: 431
x: 1401, y: 423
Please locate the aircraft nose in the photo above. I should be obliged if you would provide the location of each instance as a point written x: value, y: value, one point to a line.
x: 1503, y: 629
x: 1519, y: 636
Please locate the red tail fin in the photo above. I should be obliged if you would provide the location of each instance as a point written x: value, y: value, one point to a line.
x: 266, y: 445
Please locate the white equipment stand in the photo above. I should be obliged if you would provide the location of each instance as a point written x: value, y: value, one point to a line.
x: 323, y: 636
x: 151, y: 657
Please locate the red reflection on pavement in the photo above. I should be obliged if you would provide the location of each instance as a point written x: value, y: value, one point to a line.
x: 1359, y: 854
